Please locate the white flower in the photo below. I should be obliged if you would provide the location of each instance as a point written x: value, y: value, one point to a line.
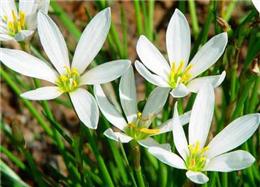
x: 136, y: 125
x: 196, y: 157
x: 256, y: 3
x: 20, y: 24
x: 178, y: 74
x: 69, y: 77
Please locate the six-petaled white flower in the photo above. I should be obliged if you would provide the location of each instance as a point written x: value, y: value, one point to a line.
x: 136, y: 126
x: 178, y: 74
x: 69, y: 77
x: 195, y: 156
x: 20, y: 24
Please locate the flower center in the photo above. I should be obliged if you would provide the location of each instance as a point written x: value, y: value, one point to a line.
x: 69, y: 81
x: 196, y: 159
x: 137, y: 131
x: 16, y: 24
x: 178, y: 75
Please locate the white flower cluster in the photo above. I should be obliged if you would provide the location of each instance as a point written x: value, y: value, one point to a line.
x: 177, y: 77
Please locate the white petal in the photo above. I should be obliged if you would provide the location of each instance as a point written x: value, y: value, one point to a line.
x: 6, y: 37
x: 117, y: 136
x: 179, y: 137
x: 26, y: 64
x: 152, y: 78
x: 108, y: 110
x: 92, y: 40
x: 86, y: 107
x: 232, y: 136
x: 197, y: 177
x: 215, y: 80
x: 152, y: 58
x: 167, y: 157
x: 256, y: 4
x: 150, y: 142
x: 178, y: 39
x: 105, y: 72
x: 6, y: 8
x: 167, y: 126
x: 155, y: 102
x: 43, y: 93
x: 127, y: 92
x: 208, y: 54
x: 201, y: 115
x: 28, y: 7
x: 180, y: 91
x: 53, y: 42
x: 23, y: 35
x: 233, y: 161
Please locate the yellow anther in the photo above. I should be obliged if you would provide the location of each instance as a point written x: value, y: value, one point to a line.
x: 180, y: 67
x: 149, y: 131
x: 14, y: 16
x: 16, y: 23
x: 5, y: 18
x: 196, y: 159
x: 139, y: 115
x: 69, y: 81
x: 179, y: 75
x: 22, y: 18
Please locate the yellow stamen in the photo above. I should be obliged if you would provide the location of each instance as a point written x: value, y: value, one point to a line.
x: 69, y: 81
x: 149, y: 131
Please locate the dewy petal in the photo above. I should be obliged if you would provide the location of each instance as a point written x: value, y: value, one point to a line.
x: 232, y: 136
x: 155, y: 102
x: 178, y: 39
x: 26, y: 64
x: 201, y: 115
x: 197, y: 177
x: 256, y: 3
x: 105, y: 72
x: 215, y: 80
x: 43, y: 93
x: 152, y: 78
x: 92, y: 40
x: 167, y: 157
x: 208, y: 54
x: 167, y: 126
x: 53, y: 42
x: 152, y: 58
x: 150, y: 142
x: 233, y: 161
x: 179, y: 137
x: 108, y: 110
x: 180, y: 91
x: 86, y: 107
x: 117, y: 136
x: 127, y: 92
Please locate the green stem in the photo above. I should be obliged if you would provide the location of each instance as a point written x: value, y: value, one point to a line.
x: 27, y: 103
x: 150, y: 19
x: 99, y: 159
x: 138, y: 17
x: 135, y: 150
x: 128, y: 165
x: 229, y: 10
x: 194, y: 19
